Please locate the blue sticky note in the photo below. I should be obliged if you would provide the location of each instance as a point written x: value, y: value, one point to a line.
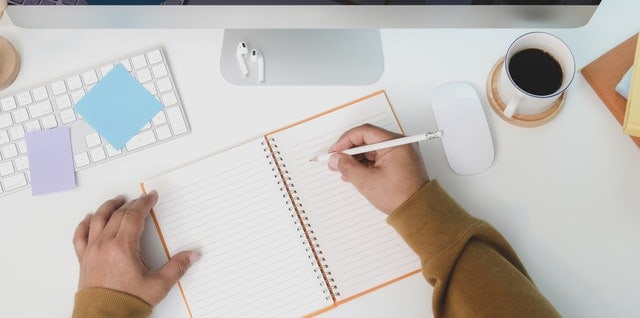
x: 50, y: 160
x: 118, y: 106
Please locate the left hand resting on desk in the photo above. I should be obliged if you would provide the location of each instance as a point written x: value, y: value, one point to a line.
x: 108, y: 248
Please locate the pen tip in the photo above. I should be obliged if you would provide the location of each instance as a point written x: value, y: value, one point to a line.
x: 313, y: 159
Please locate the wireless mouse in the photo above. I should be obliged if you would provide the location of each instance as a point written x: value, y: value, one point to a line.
x: 466, y: 137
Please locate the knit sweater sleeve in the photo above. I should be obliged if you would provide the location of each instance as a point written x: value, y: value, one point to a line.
x: 103, y: 303
x: 473, y: 269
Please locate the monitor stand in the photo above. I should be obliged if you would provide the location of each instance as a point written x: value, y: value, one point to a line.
x: 305, y: 56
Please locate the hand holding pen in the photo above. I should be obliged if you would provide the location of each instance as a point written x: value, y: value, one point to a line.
x: 386, y: 177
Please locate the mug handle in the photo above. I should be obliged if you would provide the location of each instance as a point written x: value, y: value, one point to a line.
x: 512, y: 105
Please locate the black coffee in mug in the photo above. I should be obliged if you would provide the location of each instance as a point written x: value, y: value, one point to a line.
x: 536, y: 72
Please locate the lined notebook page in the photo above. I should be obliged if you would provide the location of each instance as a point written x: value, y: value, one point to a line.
x: 229, y: 208
x: 361, y: 250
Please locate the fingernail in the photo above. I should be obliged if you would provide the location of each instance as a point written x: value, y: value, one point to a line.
x: 88, y: 216
x: 194, y: 257
x: 152, y: 192
x: 333, y: 162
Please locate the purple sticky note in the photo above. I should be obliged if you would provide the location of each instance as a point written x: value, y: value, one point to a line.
x: 50, y: 160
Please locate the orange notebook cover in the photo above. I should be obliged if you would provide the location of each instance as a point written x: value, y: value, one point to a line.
x: 280, y: 235
x: 604, y: 73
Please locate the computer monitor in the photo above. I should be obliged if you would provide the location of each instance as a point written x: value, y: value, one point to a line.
x: 310, y: 42
x: 309, y: 14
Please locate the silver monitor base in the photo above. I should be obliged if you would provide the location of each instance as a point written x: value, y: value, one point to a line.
x: 305, y: 56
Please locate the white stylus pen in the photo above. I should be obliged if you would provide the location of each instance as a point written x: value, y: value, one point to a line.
x: 383, y: 145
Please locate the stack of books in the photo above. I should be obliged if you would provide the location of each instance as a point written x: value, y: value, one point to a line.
x: 606, y: 75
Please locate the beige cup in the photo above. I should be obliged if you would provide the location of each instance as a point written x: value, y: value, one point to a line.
x: 516, y: 90
x: 9, y: 63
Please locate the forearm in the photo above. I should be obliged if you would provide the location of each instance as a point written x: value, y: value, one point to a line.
x: 473, y: 269
x: 102, y: 302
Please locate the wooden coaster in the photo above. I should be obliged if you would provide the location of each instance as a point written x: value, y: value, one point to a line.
x: 9, y: 63
x: 498, y: 105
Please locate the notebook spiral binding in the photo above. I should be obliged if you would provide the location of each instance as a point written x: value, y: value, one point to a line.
x: 301, y: 221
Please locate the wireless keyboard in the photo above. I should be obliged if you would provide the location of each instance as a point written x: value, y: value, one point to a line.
x: 51, y: 105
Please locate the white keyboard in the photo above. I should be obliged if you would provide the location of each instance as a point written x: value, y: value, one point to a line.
x: 51, y: 105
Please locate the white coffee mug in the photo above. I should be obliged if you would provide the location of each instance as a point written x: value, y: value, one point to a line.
x: 524, y: 86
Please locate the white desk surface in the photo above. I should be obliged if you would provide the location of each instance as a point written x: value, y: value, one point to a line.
x: 564, y: 194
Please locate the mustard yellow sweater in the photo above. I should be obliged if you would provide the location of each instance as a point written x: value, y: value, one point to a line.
x: 474, y: 271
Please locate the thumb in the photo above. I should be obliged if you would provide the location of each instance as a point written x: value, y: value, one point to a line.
x: 177, y: 266
x: 351, y: 170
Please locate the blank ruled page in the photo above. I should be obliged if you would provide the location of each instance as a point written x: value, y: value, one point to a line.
x: 230, y: 208
x: 362, y: 251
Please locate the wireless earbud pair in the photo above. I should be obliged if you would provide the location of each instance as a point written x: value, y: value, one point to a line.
x: 241, y: 51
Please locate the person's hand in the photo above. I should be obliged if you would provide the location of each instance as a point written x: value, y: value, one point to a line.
x: 108, y: 248
x: 386, y: 177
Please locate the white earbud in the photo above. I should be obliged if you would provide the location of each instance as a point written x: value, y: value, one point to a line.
x: 257, y: 57
x: 240, y: 53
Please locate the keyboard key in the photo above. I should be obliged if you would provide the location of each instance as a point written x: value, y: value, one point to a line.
x: 39, y: 93
x: 141, y: 140
x: 6, y: 168
x: 163, y: 132
x: 8, y: 104
x: 22, y: 163
x: 154, y: 57
x: 164, y: 85
x: 5, y: 120
x: 20, y: 115
x: 139, y: 62
x: 22, y: 146
x: 63, y: 102
x: 144, y: 76
x: 151, y: 88
x: 9, y: 151
x: 49, y: 122
x: 4, y: 137
x: 74, y: 82
x: 159, y: 71
x: 41, y: 108
x: 16, y: 132
x: 92, y: 140
x: 77, y: 95
x: 169, y: 99
x: 81, y: 159
x: 14, y: 182
x: 105, y: 69
x: 67, y: 116
x: 89, y: 77
x: 97, y: 154
x: 32, y: 125
x: 126, y: 65
x: 58, y: 87
x: 24, y: 99
x: 176, y: 120
x: 159, y: 119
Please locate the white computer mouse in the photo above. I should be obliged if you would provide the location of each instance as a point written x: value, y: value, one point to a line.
x: 466, y: 137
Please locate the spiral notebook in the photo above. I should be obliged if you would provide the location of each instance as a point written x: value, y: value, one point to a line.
x: 280, y: 236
